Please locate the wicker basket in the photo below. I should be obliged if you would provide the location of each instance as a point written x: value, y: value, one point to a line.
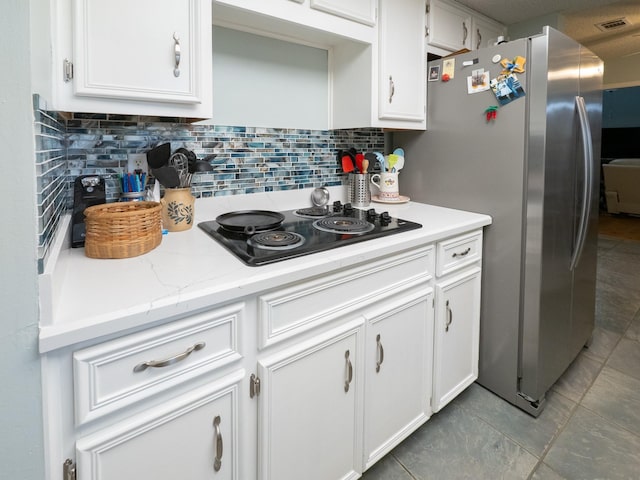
x: 122, y: 230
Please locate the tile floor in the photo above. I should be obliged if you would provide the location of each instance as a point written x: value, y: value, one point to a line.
x: 590, y: 428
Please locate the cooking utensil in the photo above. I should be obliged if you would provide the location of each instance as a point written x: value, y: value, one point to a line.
x: 381, y: 161
x: 400, y: 163
x: 373, y: 162
x: 320, y: 197
x: 391, y: 162
x: 250, y: 221
x: 180, y: 163
x: 191, y: 157
x: 167, y: 176
x: 347, y: 163
x: 359, y: 159
x: 159, y: 156
x: 365, y: 165
x: 202, y: 166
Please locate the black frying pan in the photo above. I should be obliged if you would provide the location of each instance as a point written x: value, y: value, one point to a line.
x: 250, y: 221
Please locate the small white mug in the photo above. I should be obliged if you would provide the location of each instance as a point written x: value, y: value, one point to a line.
x: 387, y: 183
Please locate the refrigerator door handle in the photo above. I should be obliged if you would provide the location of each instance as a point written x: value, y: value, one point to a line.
x: 587, y: 149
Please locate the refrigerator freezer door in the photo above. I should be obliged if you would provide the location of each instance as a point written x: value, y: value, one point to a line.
x: 584, y: 274
x: 556, y: 191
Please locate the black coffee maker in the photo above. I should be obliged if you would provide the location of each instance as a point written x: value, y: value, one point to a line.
x: 88, y: 190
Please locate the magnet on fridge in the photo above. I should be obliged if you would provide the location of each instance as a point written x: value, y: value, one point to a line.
x: 496, y: 58
x: 491, y: 113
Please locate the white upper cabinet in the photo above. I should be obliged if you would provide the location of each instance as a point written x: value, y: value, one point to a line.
x: 401, y: 71
x: 449, y: 26
x: 453, y: 27
x: 144, y: 57
x: 363, y: 11
x: 383, y: 85
x: 485, y: 32
x: 317, y: 22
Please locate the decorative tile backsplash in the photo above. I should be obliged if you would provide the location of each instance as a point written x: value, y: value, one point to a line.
x: 244, y: 159
x: 51, y: 175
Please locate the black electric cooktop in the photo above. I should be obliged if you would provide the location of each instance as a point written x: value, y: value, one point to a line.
x: 302, y: 231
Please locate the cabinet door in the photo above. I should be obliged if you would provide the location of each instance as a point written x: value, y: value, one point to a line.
x: 363, y: 11
x: 457, y: 334
x: 449, y: 26
x: 485, y: 32
x: 401, y: 81
x: 398, y: 368
x: 193, y: 436
x: 141, y: 50
x: 308, y: 409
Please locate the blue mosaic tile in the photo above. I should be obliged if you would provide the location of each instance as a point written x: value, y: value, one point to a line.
x: 245, y: 159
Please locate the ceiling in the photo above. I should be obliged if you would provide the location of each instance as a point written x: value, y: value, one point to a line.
x: 579, y: 19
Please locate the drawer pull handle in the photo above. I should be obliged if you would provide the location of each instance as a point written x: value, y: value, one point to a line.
x: 464, y: 33
x: 380, y: 352
x: 349, y: 368
x: 462, y: 254
x: 141, y: 367
x: 217, y: 463
x: 449, y: 317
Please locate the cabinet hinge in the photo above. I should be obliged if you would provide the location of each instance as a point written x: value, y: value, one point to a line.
x: 254, y: 386
x: 68, y: 470
x: 67, y: 67
x: 427, y: 8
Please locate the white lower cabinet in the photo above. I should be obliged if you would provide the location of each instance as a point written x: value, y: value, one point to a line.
x: 308, y: 423
x: 193, y: 436
x: 457, y: 334
x: 317, y: 379
x: 398, y: 371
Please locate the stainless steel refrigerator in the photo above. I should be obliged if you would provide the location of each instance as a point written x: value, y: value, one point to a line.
x: 535, y: 169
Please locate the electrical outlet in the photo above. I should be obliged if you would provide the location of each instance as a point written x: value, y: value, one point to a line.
x: 137, y: 161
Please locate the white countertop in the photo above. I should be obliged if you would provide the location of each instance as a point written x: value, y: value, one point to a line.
x: 84, y: 298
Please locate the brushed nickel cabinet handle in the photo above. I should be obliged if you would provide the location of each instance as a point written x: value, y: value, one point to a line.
x: 449, y: 317
x: 349, y: 369
x: 380, y: 353
x: 392, y: 89
x: 461, y: 254
x: 217, y: 463
x: 177, y: 53
x: 169, y: 361
x: 464, y: 32
x: 479, y: 38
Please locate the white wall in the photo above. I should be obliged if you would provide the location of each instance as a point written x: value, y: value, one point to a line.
x: 622, y: 72
x: 21, y: 449
x: 534, y: 26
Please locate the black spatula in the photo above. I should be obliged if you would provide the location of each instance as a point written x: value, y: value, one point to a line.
x: 159, y: 156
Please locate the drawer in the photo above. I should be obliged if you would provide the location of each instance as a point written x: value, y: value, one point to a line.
x: 458, y: 252
x: 117, y: 373
x: 299, y: 307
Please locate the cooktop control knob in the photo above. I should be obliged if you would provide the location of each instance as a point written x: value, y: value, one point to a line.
x: 337, y: 206
x: 371, y: 214
x: 348, y: 209
x: 385, y: 218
